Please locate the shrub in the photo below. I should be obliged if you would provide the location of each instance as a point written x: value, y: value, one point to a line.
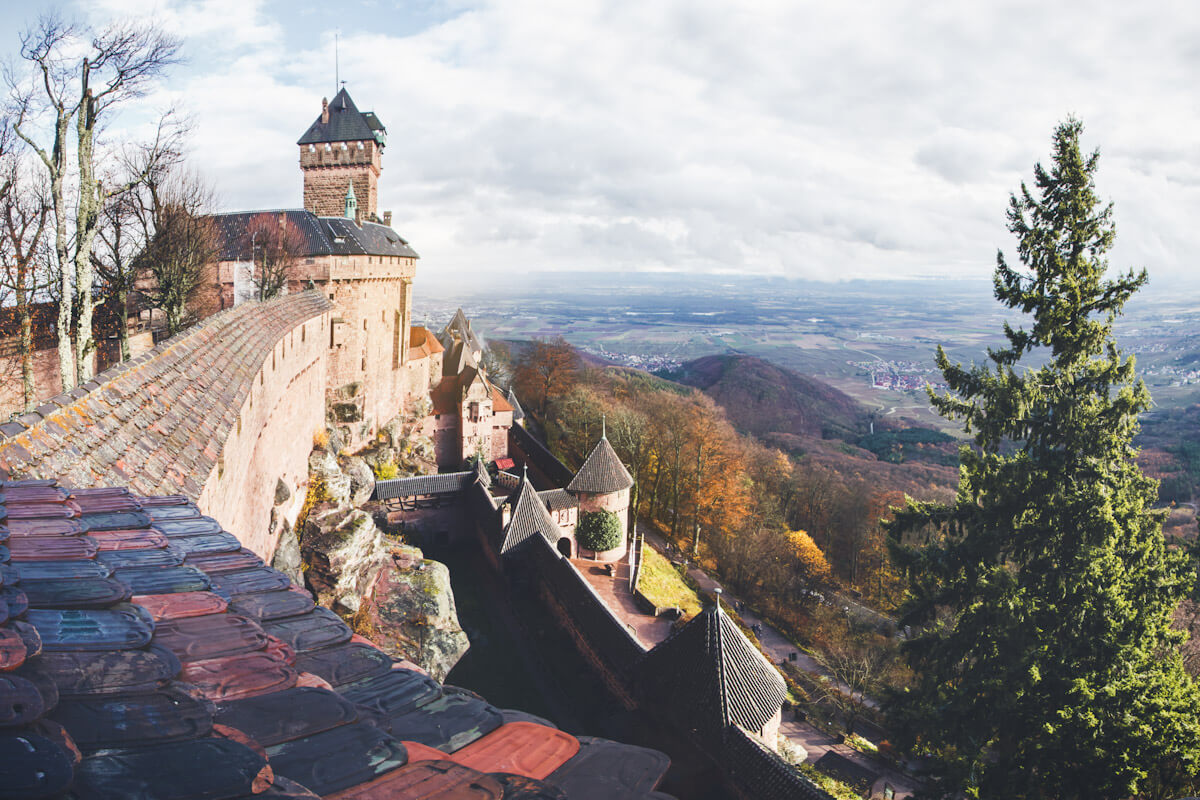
x: 599, y: 531
x: 385, y: 471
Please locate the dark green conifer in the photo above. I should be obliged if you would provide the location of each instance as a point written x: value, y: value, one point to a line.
x: 1045, y: 658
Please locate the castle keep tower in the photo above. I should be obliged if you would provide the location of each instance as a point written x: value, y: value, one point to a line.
x: 343, y: 148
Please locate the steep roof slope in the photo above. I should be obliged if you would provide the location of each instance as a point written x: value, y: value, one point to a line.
x: 713, y: 673
x: 602, y: 472
x: 346, y: 123
x: 323, y: 236
x: 529, y: 518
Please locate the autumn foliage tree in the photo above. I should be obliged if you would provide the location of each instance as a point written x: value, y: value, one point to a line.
x: 546, y: 370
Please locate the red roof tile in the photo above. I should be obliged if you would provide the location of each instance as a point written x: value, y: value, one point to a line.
x: 523, y: 748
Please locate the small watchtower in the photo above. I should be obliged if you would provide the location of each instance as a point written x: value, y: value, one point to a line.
x: 341, y: 154
x: 603, y: 484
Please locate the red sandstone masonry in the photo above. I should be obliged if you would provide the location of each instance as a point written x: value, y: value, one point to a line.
x: 166, y: 422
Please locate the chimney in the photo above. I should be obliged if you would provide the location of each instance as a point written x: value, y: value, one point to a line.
x: 387, y: 218
x: 324, y: 110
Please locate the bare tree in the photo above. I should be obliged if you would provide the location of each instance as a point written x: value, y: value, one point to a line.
x: 24, y: 211
x: 117, y: 64
x: 43, y: 46
x: 854, y: 668
x: 119, y: 239
x: 181, y: 243
x: 274, y: 245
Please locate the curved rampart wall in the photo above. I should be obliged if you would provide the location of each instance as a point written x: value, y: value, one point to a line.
x: 218, y: 413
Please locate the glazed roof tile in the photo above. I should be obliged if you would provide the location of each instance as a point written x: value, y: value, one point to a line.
x: 204, y: 702
x: 602, y: 472
x: 179, y: 416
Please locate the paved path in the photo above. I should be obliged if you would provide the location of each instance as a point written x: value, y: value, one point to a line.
x: 779, y: 648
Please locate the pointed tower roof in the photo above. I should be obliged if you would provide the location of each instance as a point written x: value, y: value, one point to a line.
x: 529, y: 518
x: 602, y: 472
x: 518, y: 412
x: 709, y: 668
x: 346, y: 124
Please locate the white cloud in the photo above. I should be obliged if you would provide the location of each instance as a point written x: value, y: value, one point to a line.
x: 825, y: 140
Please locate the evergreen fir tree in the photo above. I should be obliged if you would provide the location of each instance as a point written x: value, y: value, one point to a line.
x: 1046, y: 661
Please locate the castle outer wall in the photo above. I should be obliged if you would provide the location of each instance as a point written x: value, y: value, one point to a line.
x: 218, y: 414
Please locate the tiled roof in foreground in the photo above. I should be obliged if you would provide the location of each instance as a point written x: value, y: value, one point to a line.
x: 145, y: 654
x: 157, y: 422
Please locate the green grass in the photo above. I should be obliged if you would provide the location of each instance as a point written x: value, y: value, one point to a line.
x: 663, y: 586
x: 839, y: 790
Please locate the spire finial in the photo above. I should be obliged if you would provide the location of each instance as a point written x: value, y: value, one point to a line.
x: 603, y: 426
x: 524, y: 470
x: 351, y: 202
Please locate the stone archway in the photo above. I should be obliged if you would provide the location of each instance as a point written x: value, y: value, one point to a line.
x: 566, y: 546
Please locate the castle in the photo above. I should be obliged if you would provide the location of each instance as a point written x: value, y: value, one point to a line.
x: 379, y: 365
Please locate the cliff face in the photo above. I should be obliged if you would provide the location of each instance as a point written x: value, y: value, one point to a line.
x: 387, y: 590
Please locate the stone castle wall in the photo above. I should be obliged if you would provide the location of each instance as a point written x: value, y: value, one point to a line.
x: 271, y: 440
x: 213, y: 414
x: 368, y: 347
x: 328, y: 170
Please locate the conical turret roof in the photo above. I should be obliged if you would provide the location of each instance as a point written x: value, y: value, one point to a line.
x: 602, y: 472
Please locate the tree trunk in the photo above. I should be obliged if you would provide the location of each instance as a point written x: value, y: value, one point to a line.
x: 86, y: 222
x: 28, y: 389
x: 123, y: 322
x: 62, y: 327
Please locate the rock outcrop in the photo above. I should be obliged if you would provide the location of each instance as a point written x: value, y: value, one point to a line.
x: 410, y: 613
x: 388, y: 591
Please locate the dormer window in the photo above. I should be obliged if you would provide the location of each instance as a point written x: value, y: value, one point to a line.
x: 312, y: 148
x: 328, y: 147
x: 344, y: 147
x: 360, y: 145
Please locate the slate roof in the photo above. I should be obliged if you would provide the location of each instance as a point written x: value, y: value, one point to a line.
x: 528, y: 518
x: 602, y: 472
x: 157, y: 422
x: 445, y: 483
x: 209, y: 688
x: 558, y: 499
x: 346, y: 123
x: 518, y: 412
x: 323, y: 236
x: 709, y: 668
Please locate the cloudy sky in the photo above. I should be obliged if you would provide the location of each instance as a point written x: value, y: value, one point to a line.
x: 818, y: 140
